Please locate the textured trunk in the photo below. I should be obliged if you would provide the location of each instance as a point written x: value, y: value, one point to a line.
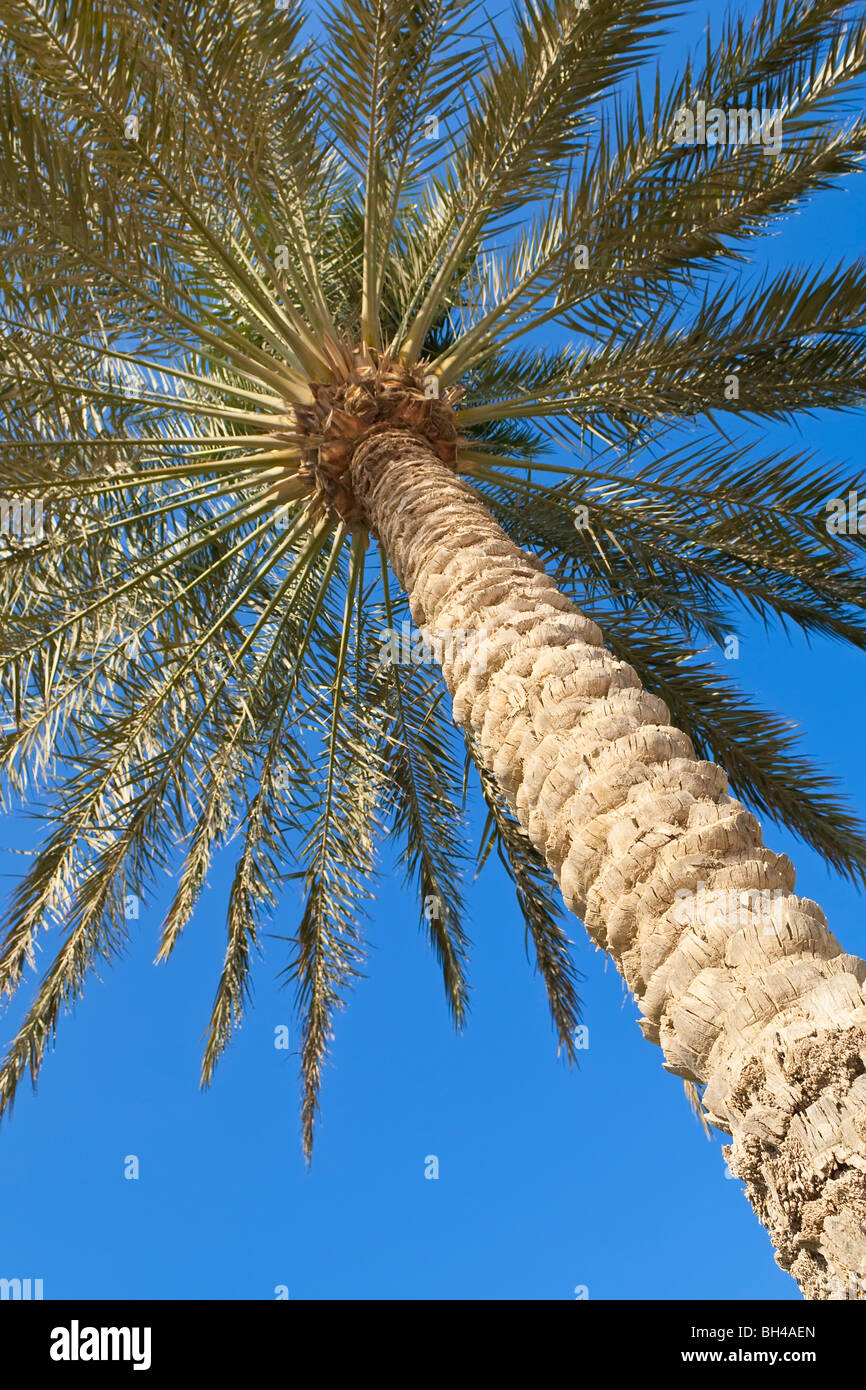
x: 738, y: 981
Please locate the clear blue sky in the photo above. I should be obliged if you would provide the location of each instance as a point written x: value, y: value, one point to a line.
x: 549, y: 1178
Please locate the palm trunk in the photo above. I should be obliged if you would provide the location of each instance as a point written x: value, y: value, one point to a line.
x: 758, y: 1004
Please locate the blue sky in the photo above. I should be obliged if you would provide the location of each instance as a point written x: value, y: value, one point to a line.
x: 550, y: 1178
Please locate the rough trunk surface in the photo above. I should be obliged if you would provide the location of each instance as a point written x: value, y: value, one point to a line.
x: 738, y: 980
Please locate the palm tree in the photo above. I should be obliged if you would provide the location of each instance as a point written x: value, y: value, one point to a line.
x: 310, y: 339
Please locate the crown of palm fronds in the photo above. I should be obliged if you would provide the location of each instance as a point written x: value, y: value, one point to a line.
x: 214, y: 230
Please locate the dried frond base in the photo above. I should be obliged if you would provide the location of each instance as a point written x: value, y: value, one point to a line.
x: 376, y: 395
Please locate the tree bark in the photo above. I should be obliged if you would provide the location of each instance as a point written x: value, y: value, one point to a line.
x: 739, y: 981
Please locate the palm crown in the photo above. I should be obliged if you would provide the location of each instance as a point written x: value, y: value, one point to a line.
x: 226, y: 249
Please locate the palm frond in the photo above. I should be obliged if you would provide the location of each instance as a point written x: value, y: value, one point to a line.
x: 541, y: 913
